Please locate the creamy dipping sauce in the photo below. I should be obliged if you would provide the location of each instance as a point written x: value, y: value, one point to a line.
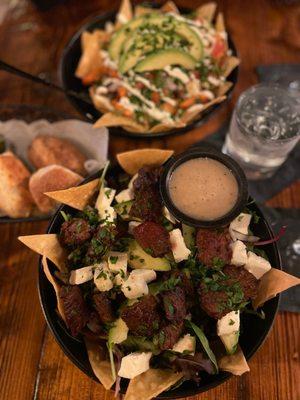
x: 203, y: 189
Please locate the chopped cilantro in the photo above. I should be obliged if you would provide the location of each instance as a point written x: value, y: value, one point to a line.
x: 231, y: 322
x: 113, y: 259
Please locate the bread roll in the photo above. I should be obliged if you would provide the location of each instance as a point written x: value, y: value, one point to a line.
x: 47, y: 179
x: 48, y: 150
x: 15, y: 199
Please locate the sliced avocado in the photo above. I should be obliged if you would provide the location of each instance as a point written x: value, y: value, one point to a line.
x: 137, y: 46
x: 118, y: 333
x: 162, y: 58
x: 188, y: 233
x: 230, y: 341
x: 138, y: 258
x: 123, y: 210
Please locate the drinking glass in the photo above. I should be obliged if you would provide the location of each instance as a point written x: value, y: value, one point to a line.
x: 264, y: 128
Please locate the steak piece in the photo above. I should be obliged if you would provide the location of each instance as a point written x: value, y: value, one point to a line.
x: 142, y: 318
x: 75, y: 232
x: 153, y: 238
x: 174, y: 304
x: 102, y: 241
x: 235, y: 287
x: 213, y: 244
x: 74, y: 307
x: 169, y: 335
x: 104, y: 308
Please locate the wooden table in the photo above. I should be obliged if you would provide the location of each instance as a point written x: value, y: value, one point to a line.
x: 32, y: 365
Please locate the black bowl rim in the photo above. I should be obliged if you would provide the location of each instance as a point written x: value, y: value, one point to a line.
x: 204, y: 152
x: 221, y: 377
x: 118, y: 131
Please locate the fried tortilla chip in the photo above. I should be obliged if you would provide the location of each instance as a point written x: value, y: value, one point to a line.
x: 189, y: 116
x: 77, y: 197
x: 91, y: 63
x: 207, y: 11
x: 55, y: 285
x: 140, y: 10
x: 112, y: 119
x: 101, y: 103
x: 236, y: 363
x: 165, y: 128
x: 151, y: 383
x: 47, y: 245
x: 220, y: 24
x: 132, y: 161
x: 224, y: 88
x: 125, y: 13
x: 99, y: 364
x: 169, y: 7
x: 273, y: 282
x: 229, y: 65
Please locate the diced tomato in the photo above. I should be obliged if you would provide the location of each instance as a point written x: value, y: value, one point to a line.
x: 155, y: 97
x: 187, y: 103
x: 139, y: 85
x: 124, y: 111
x: 197, y: 74
x: 219, y: 48
x: 91, y: 77
x: 112, y: 72
x: 122, y: 92
x: 169, y: 108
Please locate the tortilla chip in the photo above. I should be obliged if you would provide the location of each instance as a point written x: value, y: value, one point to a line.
x: 273, y: 282
x: 55, y: 285
x: 132, y: 161
x: 140, y: 10
x: 207, y: 11
x: 101, y: 103
x: 151, y: 383
x: 47, y: 245
x: 169, y: 7
x: 99, y: 364
x: 125, y: 13
x: 230, y: 64
x: 220, y: 23
x: 91, y: 62
x: 236, y: 363
x: 112, y: 119
x: 224, y: 88
x: 165, y: 128
x: 189, y: 116
x: 77, y: 197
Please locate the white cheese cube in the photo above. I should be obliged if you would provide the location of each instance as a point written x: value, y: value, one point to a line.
x: 117, y: 263
x: 124, y: 195
x: 105, y: 198
x: 168, y: 215
x: 108, y: 214
x: 229, y: 323
x: 132, y: 225
x: 134, y: 364
x: 148, y: 275
x: 103, y: 277
x: 81, y: 275
x: 239, y: 253
x: 133, y: 288
x: 257, y: 265
x: 179, y: 249
x: 240, y: 224
x: 186, y: 343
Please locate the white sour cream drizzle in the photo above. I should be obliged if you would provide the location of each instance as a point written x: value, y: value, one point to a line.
x: 177, y: 73
x: 107, y: 61
x: 149, y: 85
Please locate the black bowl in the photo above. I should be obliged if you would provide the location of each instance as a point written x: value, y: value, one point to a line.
x: 204, y: 152
x: 254, y: 330
x: 68, y: 63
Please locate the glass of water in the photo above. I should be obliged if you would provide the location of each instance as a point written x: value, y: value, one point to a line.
x: 264, y: 128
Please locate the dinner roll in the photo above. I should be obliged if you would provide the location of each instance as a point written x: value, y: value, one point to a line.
x: 48, y: 179
x: 47, y: 150
x: 15, y: 199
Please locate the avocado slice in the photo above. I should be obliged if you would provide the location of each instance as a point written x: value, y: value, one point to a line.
x: 118, y: 333
x: 188, y: 233
x: 230, y: 341
x: 123, y: 209
x: 162, y: 58
x: 138, y: 258
x: 135, y: 47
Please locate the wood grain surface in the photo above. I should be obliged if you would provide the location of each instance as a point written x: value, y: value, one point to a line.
x: 32, y: 366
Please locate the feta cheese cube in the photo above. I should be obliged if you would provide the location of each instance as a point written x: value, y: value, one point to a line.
x: 179, y: 249
x: 134, y: 364
x: 168, y: 215
x: 103, y: 277
x: 117, y: 263
x: 108, y: 214
x: 135, y: 285
x: 81, y: 275
x: 105, y: 198
x: 257, y: 265
x: 239, y: 253
x: 132, y: 225
x: 148, y: 275
x: 229, y: 323
x: 186, y: 343
x: 240, y: 224
x: 124, y: 195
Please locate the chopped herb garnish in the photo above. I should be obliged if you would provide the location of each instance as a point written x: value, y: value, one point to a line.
x: 113, y: 259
